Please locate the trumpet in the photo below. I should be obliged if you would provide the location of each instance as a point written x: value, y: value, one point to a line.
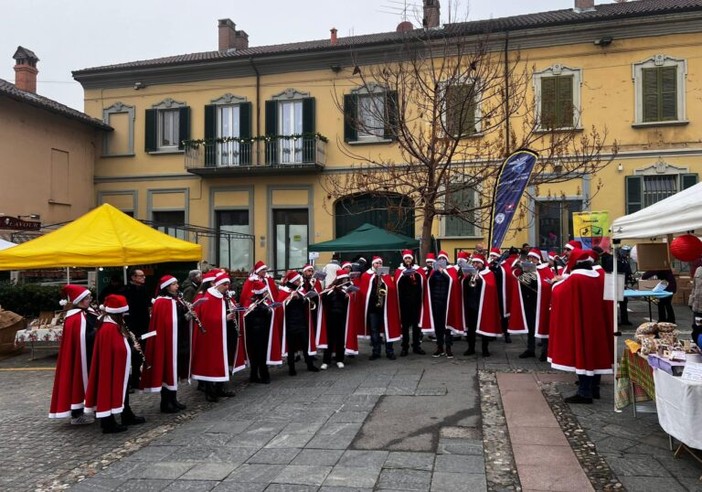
x: 473, y: 272
x: 381, y: 291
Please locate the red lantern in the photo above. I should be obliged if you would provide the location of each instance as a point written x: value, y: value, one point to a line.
x: 686, y: 247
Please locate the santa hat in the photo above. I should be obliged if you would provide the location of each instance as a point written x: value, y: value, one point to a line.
x: 552, y: 255
x: 593, y: 255
x: 407, y: 253
x: 346, y: 264
x: 258, y: 287
x: 443, y: 254
x: 307, y: 267
x: 535, y: 252
x: 73, y: 293
x: 260, y: 266
x: 584, y: 256
x: 292, y: 276
x: 462, y: 255
x: 495, y: 252
x: 222, y: 278
x: 431, y: 258
x: 209, y: 276
x: 574, y: 245
x: 477, y: 257
x: 377, y: 259
x: 115, y: 304
x: 342, y: 276
x: 165, y: 281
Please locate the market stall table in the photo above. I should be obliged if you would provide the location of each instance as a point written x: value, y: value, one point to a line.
x: 45, y: 337
x: 647, y: 295
x: 634, y: 381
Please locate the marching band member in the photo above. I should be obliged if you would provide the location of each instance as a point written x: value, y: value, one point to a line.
x: 429, y: 263
x: 299, y: 319
x: 531, y: 304
x: 567, y: 251
x: 260, y: 273
x: 262, y: 337
x: 107, y: 392
x: 75, y: 353
x: 334, y: 332
x: 375, y: 309
x: 497, y: 267
x: 481, y: 311
x: 442, y: 311
x: 169, y: 340
x: 410, y: 279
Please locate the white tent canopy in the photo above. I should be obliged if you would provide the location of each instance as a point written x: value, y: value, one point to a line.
x: 6, y: 244
x: 676, y: 214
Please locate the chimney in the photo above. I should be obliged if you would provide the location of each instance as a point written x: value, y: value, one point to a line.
x: 432, y: 14
x: 404, y: 26
x: 333, y: 39
x: 584, y: 6
x: 26, y: 69
x: 230, y: 38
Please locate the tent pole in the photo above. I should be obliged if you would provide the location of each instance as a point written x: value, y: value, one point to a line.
x: 68, y: 275
x: 615, y: 324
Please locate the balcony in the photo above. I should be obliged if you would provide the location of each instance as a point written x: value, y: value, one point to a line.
x: 276, y: 155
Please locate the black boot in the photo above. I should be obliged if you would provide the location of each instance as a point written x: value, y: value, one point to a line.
x: 167, y: 401
x: 109, y: 425
x: 222, y: 393
x: 485, y: 342
x: 210, y: 392
x: 471, y: 344
x: 310, y: 365
x: 508, y: 338
x: 128, y: 417
x: 291, y: 367
x: 176, y: 403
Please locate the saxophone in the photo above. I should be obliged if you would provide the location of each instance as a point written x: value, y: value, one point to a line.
x: 381, y: 292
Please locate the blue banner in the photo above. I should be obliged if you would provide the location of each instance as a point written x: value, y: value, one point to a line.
x: 516, y: 171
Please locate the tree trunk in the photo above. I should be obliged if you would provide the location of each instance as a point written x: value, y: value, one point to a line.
x: 427, y: 221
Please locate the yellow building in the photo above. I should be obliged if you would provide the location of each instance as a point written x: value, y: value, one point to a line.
x: 628, y: 67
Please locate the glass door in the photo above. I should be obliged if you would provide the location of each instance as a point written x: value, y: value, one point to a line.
x: 227, y: 127
x: 234, y: 253
x: 291, y: 232
x: 555, y: 222
x: 290, y: 118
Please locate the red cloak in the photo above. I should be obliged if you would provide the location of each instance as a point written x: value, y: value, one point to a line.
x: 209, y: 356
x: 71, y: 377
x: 517, y: 320
x: 391, y: 310
x: 489, y: 323
x: 162, y: 349
x: 284, y: 296
x: 454, y: 310
x: 351, y: 340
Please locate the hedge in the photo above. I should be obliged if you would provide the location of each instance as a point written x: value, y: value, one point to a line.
x: 29, y: 299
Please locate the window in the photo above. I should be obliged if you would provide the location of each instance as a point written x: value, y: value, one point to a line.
x: 461, y: 109
x: 645, y: 190
x: 289, y: 116
x: 120, y: 141
x: 460, y: 221
x: 557, y: 90
x: 370, y: 115
x: 167, y: 125
x: 170, y: 222
x: 555, y: 222
x: 234, y: 252
x: 227, y: 120
x: 660, y: 90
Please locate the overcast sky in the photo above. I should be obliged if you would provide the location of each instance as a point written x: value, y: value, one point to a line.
x: 75, y: 34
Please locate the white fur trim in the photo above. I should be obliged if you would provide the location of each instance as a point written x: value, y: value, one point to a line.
x: 63, y: 302
x: 168, y: 282
x: 122, y: 309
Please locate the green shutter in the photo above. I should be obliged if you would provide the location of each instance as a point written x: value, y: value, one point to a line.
x: 634, y: 194
x: 150, y: 144
x: 548, y: 102
x: 350, y: 108
x: 669, y: 93
x: 183, y: 125
x: 245, y: 148
x: 392, y: 115
x: 564, y: 101
x: 688, y: 180
x: 650, y: 94
x: 210, y: 134
x: 309, y: 144
x: 271, y: 130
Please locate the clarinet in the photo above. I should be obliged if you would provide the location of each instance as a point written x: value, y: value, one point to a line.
x: 189, y: 308
x: 137, y: 347
x: 231, y: 308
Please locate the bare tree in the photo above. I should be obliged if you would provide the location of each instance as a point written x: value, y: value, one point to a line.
x: 456, y: 107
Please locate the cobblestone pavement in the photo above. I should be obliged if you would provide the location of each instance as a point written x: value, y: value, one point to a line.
x: 411, y: 424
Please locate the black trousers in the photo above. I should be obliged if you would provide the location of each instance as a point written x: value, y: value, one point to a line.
x: 376, y: 324
x: 443, y: 334
x: 666, y: 313
x: 336, y: 337
x: 410, y: 324
x: 257, y: 348
x: 297, y: 340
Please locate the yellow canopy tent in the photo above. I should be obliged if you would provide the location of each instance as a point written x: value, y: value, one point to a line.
x: 104, y: 236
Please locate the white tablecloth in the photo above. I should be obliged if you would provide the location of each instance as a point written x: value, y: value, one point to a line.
x: 679, y: 405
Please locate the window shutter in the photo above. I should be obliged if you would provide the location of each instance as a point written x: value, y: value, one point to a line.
x: 564, y: 97
x: 548, y: 102
x: 687, y: 180
x: 245, y: 149
x: 271, y: 130
x: 649, y: 90
x: 350, y: 108
x: 392, y: 115
x: 184, y: 126
x: 309, y: 144
x: 210, y: 134
x: 669, y: 93
x: 634, y: 194
x: 150, y: 144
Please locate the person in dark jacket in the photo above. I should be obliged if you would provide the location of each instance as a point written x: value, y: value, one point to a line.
x: 666, y: 313
x: 139, y: 302
x: 191, y: 285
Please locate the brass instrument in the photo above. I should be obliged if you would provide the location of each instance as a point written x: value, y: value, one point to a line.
x: 471, y: 271
x: 189, y: 309
x: 265, y: 300
x: 381, y: 291
x: 528, y: 277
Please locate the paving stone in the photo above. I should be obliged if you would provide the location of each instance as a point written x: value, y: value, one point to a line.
x: 191, y: 454
x: 318, y: 457
x: 637, y: 466
x: 303, y: 475
x: 452, y: 482
x: 280, y: 487
x: 344, y: 476
x: 274, y: 456
x: 349, y: 417
x: 289, y: 441
x: 97, y: 485
x: 255, y: 473
x: 327, y: 442
x: 363, y: 459
x: 183, y: 485
x: 209, y: 471
x: 230, y: 486
x: 460, y: 446
x: 452, y: 463
x: 139, y: 485
x: 404, y: 480
x: 123, y: 469
x: 325, y: 488
x: 406, y: 459
x: 163, y: 470
x: 232, y: 455
x: 651, y: 484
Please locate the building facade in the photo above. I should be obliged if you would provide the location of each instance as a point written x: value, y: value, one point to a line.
x: 263, y: 126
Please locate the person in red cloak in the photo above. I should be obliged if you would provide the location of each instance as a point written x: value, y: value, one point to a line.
x: 531, y: 304
x: 580, y: 339
x: 299, y: 320
x: 502, y: 274
x: 441, y: 312
x: 375, y: 312
x: 410, y: 282
x: 260, y: 272
x: 106, y: 394
x: 334, y: 332
x: 75, y: 351
x: 210, y: 359
x: 168, y: 330
x: 262, y: 331
x: 481, y: 310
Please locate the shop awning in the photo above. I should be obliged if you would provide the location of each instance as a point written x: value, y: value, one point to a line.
x: 367, y: 238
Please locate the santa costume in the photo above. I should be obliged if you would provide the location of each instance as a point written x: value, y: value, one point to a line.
x: 410, y: 282
x: 299, y: 319
x: 262, y: 326
x: 259, y: 273
x: 334, y: 332
x: 481, y: 311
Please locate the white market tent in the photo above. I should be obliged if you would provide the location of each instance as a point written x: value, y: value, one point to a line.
x: 677, y: 214
x: 6, y: 244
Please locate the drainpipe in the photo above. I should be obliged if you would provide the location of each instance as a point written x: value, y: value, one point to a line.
x: 506, y: 100
x: 258, y: 105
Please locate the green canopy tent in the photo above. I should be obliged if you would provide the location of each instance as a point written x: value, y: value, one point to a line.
x: 367, y: 238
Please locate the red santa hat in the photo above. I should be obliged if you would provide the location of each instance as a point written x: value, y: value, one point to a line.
x: 346, y: 264
x: 73, y: 293
x: 165, y: 281
x: 209, y: 276
x: 478, y: 257
x: 307, y: 267
x: 260, y: 266
x: 292, y: 276
x: 495, y: 252
x: 592, y: 255
x: 443, y: 254
x: 535, y: 252
x: 574, y: 245
x: 553, y: 254
x: 258, y: 287
x: 342, y: 275
x: 377, y: 259
x: 222, y: 278
x: 407, y: 253
x: 462, y: 255
x: 431, y: 258
x: 115, y: 304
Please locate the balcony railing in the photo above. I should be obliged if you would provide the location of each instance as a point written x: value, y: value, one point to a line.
x: 283, y: 153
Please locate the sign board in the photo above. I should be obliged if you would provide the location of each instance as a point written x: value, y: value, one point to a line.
x: 609, y: 289
x: 16, y: 224
x: 592, y: 229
